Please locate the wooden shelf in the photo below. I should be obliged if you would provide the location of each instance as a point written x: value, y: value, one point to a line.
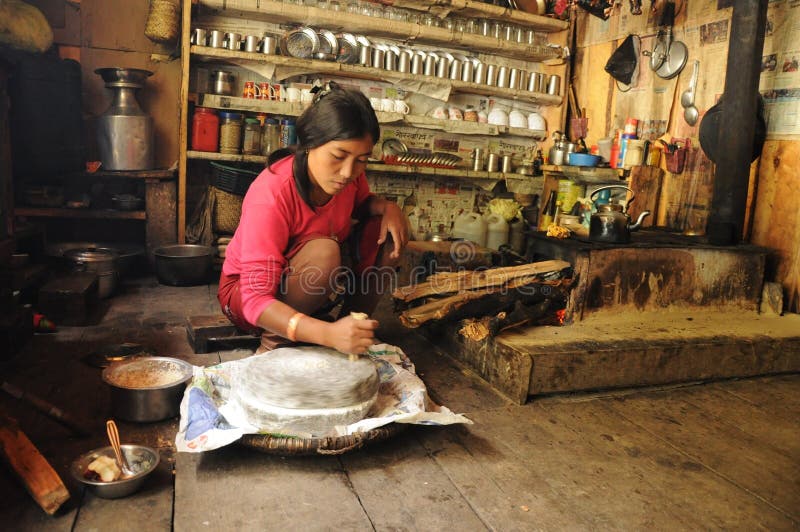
x: 471, y: 8
x: 299, y: 66
x: 280, y: 13
x: 588, y: 174
x: 231, y: 158
x: 127, y: 174
x: 461, y: 127
x: 58, y: 212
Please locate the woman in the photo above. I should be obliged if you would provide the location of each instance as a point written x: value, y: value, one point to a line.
x: 284, y: 259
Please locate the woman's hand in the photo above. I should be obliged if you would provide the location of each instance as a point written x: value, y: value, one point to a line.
x: 350, y: 335
x: 394, y: 222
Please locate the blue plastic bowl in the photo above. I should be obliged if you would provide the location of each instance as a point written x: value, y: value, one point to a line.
x: 583, y: 159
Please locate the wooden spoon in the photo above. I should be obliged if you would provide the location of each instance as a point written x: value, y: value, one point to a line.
x: 113, y: 437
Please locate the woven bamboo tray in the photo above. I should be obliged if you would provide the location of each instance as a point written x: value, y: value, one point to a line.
x: 287, y: 446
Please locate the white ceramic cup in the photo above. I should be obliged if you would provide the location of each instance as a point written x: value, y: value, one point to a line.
x: 375, y: 103
x: 292, y: 94
x: 536, y: 121
x: 498, y: 117
x: 517, y: 119
x: 454, y: 113
x: 306, y: 96
x: 401, y: 107
x: 387, y: 105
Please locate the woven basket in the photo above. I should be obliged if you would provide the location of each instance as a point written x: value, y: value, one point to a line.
x: 286, y: 446
x: 163, y: 21
x: 227, y: 211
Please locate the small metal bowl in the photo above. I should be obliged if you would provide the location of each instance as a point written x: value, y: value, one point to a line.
x: 142, y: 460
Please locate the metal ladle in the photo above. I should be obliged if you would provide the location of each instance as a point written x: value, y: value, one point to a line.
x: 690, y: 112
x: 113, y: 437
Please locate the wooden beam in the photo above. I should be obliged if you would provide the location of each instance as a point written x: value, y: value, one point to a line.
x: 39, y: 477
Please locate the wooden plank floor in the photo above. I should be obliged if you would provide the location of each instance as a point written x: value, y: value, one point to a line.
x: 718, y: 455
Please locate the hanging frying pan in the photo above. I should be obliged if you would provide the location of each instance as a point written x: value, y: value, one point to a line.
x: 668, y: 57
x: 710, y: 129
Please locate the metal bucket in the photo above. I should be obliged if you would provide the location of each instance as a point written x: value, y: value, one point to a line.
x: 184, y: 264
x: 132, y: 399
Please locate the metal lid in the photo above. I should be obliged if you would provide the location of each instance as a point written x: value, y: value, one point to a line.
x: 91, y: 254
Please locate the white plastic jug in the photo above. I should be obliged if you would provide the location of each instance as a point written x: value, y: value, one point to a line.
x: 496, y: 231
x: 470, y: 226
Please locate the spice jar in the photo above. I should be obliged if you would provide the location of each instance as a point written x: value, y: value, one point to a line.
x: 251, y: 144
x: 205, y: 129
x: 270, y: 137
x: 230, y: 132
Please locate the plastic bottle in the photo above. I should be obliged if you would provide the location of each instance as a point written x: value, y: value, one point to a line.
x: 205, y: 130
x: 496, y: 231
x: 288, y: 133
x: 549, y: 212
x: 470, y: 226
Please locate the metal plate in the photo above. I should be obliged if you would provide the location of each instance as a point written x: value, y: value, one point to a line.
x: 348, y: 48
x: 302, y: 43
x: 393, y: 146
x: 675, y: 61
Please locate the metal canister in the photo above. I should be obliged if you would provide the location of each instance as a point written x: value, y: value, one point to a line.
x: 442, y: 67
x: 479, y: 76
x: 199, y: 36
x: 478, y: 159
x: 554, y: 85
x: 378, y: 55
x: 404, y: 62
x: 541, y: 82
x: 505, y: 164
x: 514, y: 76
x: 531, y: 85
x: 364, y: 54
x: 418, y: 62
x: 429, y: 68
x: 455, y: 69
x: 502, y: 77
x: 233, y: 41
x: 216, y: 39
x: 252, y: 43
x: 491, y: 75
x: 467, y: 69
x: 492, y: 161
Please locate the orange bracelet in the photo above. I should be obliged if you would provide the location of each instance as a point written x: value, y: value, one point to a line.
x: 291, y: 327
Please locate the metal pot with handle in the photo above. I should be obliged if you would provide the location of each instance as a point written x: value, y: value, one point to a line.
x: 609, y: 224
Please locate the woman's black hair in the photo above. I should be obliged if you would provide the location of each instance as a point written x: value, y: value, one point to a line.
x: 336, y: 114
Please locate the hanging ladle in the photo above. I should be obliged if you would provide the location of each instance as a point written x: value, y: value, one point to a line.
x: 690, y: 112
x: 113, y: 437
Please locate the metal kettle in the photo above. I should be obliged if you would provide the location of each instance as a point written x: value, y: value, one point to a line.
x: 609, y: 224
x: 561, y: 148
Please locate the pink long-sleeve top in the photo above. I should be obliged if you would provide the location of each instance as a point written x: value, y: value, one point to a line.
x: 275, y: 221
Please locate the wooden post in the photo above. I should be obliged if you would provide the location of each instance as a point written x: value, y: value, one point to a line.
x: 737, y: 122
x: 40, y: 479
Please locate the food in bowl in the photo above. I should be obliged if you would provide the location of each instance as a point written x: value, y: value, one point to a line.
x: 103, y: 468
x: 142, y: 461
x: 147, y: 373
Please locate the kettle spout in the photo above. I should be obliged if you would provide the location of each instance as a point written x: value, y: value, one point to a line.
x: 638, y: 223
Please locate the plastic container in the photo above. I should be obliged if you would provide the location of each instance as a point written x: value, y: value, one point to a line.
x: 230, y: 132
x: 623, y: 147
x: 471, y: 226
x: 205, y: 130
x: 251, y: 145
x: 288, y: 133
x: 496, y: 231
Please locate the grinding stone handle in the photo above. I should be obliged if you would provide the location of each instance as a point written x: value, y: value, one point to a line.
x: 356, y: 316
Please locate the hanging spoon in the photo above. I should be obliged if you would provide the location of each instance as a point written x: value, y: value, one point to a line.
x: 113, y: 437
x: 690, y: 112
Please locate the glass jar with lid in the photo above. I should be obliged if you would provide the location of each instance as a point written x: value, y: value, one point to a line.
x: 230, y: 132
x: 251, y: 145
x: 270, y: 137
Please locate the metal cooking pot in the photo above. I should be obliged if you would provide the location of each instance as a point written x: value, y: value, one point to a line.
x: 132, y: 401
x: 560, y: 150
x: 101, y: 261
x: 183, y: 264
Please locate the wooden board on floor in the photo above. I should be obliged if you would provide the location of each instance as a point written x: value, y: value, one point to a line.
x: 677, y: 481
x: 242, y: 489
x: 721, y: 446
x: 401, y: 488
